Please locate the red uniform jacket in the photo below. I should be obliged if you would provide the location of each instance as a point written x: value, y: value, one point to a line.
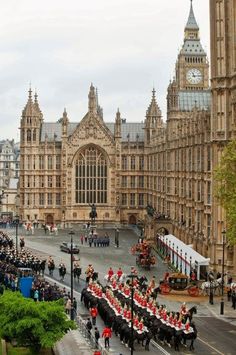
x: 106, y: 333
x: 93, y: 312
x: 119, y: 273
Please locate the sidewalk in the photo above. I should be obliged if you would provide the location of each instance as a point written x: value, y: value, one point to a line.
x: 72, y: 343
x: 229, y: 313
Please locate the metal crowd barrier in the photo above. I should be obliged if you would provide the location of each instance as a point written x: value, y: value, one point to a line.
x: 89, y: 336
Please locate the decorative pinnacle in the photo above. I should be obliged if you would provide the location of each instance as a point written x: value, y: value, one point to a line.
x: 35, y: 96
x: 30, y: 92
x: 191, y: 23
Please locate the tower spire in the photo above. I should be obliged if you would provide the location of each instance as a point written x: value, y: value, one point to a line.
x: 191, y: 23
x: 153, y: 109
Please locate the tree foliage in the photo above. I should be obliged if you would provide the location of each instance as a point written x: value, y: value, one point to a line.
x: 35, y: 324
x: 225, y: 176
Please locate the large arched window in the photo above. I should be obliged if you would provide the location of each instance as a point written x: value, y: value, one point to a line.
x: 91, y: 176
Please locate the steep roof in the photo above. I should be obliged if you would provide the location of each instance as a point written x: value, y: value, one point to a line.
x: 192, y: 47
x: 191, y: 23
x: 129, y: 131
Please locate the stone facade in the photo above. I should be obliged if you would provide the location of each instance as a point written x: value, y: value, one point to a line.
x: 223, y: 113
x: 9, y: 175
x: 122, y: 167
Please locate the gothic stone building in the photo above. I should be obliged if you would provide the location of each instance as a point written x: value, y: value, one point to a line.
x: 121, y: 167
x: 223, y: 113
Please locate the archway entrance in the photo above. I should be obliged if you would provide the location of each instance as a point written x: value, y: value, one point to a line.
x: 132, y: 219
x: 49, y: 219
x: 163, y: 231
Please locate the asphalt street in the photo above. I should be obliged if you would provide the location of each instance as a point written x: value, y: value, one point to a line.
x: 215, y: 336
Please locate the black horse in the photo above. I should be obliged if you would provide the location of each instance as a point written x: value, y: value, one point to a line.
x: 191, y: 336
x: 190, y: 313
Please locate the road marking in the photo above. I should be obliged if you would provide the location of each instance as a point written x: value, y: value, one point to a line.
x: 163, y: 351
x: 210, y: 346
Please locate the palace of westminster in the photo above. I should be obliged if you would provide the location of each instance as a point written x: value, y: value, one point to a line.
x: 122, y: 167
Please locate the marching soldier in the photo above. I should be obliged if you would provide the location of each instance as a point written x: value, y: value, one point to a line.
x: 51, y: 265
x: 94, y: 313
x: 62, y: 271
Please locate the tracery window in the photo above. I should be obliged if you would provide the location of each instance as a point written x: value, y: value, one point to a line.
x: 34, y: 135
x: 28, y: 135
x: 91, y: 177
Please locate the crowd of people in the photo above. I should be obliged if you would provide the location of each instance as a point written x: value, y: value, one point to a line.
x: 15, y: 264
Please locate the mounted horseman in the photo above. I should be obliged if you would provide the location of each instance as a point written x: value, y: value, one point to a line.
x: 93, y: 213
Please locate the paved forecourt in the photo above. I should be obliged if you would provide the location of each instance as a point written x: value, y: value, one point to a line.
x: 209, y: 341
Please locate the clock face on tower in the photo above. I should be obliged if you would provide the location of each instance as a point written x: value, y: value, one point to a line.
x: 194, y: 76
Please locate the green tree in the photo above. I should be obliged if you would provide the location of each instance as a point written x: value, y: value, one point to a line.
x: 35, y: 324
x: 225, y: 176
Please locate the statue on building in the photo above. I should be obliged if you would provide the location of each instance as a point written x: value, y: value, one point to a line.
x: 93, y: 212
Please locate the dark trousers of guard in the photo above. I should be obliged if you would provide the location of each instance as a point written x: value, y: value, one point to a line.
x: 107, y: 342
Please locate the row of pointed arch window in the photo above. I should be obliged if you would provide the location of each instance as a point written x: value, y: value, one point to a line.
x: 30, y: 135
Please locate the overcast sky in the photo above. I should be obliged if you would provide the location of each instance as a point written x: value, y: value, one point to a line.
x: 123, y: 46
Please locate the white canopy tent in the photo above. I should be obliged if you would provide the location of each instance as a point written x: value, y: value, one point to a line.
x: 182, y: 256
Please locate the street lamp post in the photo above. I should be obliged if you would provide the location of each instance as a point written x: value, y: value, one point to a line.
x: 181, y: 261
x: 177, y: 256
x: 185, y: 264
x: 132, y: 277
x: 17, y: 225
x: 71, y: 233
x: 173, y: 254
x: 222, y: 275
x: 190, y: 266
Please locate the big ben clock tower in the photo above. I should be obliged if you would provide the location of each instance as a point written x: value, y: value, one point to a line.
x: 192, y: 68
x: 191, y: 83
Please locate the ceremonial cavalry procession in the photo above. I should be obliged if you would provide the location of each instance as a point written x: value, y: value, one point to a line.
x: 118, y: 225
x: 147, y: 319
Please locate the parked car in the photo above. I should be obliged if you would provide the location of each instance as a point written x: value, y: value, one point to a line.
x: 65, y: 246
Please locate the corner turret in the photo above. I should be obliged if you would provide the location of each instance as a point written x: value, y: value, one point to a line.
x: 153, y: 120
x: 31, y: 120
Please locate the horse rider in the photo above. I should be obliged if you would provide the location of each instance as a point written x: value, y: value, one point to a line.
x: 89, y: 272
x: 110, y: 273
x: 119, y: 273
x: 152, y: 284
x: 183, y: 309
x: 77, y: 270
